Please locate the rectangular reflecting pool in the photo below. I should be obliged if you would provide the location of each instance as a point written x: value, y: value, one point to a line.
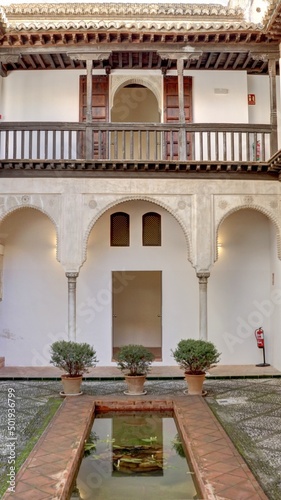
x: 135, y: 456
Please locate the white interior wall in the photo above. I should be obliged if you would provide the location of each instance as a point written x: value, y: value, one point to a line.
x: 179, y: 285
x: 239, y: 285
x: 33, y: 311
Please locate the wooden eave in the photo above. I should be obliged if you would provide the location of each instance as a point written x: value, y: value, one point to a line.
x: 163, y: 169
x: 44, y: 37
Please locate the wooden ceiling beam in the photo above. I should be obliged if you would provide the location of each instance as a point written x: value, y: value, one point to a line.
x: 41, y: 62
x: 31, y: 60
x: 218, y: 60
x: 3, y: 72
x: 236, y: 62
x: 208, y: 62
x: 198, y: 64
x: 22, y: 63
x: 51, y: 61
x: 226, y: 64
x: 60, y: 59
x: 246, y: 62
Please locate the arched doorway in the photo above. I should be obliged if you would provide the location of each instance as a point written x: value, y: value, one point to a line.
x: 33, y: 309
x: 241, y: 285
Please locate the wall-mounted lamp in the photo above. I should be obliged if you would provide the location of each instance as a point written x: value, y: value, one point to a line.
x: 219, y: 248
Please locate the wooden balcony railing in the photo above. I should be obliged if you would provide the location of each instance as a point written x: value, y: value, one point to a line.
x: 139, y: 142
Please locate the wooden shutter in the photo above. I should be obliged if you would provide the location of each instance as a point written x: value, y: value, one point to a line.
x: 99, y: 98
x: 171, y: 111
x: 100, y: 111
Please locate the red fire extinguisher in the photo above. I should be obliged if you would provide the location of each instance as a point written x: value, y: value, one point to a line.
x: 260, y: 337
x: 259, y: 334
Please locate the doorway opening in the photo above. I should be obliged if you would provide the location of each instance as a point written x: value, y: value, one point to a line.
x: 137, y: 310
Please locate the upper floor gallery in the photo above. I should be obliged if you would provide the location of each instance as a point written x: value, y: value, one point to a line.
x: 139, y: 87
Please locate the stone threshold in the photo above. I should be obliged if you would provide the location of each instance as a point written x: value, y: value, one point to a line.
x: 51, y: 468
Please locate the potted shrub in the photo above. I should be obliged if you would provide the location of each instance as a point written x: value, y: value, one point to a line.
x: 135, y: 360
x: 195, y: 357
x: 74, y: 359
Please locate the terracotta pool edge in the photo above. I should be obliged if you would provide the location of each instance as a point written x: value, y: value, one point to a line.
x: 203, y: 464
x: 64, y: 490
x: 204, y: 486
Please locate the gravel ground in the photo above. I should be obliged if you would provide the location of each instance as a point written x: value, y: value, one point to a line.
x: 249, y: 410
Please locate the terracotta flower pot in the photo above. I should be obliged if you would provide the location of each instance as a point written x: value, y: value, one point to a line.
x: 71, y: 385
x: 135, y: 384
x: 195, y: 383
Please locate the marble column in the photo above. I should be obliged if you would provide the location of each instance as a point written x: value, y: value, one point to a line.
x: 71, y: 305
x: 203, y: 309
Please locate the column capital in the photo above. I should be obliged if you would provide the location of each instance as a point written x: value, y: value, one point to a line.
x: 71, y: 275
x: 203, y: 277
x: 99, y: 55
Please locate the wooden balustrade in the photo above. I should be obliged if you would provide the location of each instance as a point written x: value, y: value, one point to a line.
x: 140, y: 142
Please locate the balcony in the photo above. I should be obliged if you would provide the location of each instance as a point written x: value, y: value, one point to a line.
x: 139, y: 147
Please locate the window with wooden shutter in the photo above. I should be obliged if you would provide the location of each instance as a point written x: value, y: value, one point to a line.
x: 120, y: 229
x: 151, y: 229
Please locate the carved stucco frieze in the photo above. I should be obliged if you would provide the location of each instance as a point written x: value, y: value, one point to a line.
x: 93, y: 211
x: 49, y: 204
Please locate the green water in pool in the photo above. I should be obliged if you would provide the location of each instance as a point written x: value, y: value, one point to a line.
x: 134, y: 456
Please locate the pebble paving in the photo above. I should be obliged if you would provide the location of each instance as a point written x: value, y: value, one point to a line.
x: 250, y: 412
